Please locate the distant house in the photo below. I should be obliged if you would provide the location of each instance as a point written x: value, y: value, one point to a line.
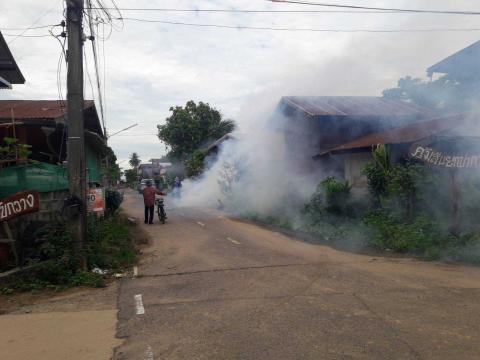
x: 464, y: 64
x: 41, y: 124
x: 9, y: 71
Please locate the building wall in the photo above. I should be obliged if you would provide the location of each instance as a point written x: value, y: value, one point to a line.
x: 94, y: 164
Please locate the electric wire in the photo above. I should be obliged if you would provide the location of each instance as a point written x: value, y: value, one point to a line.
x: 22, y: 34
x: 380, y: 9
x: 361, y: 10
x: 30, y: 28
x: 271, y: 28
x: 95, y: 58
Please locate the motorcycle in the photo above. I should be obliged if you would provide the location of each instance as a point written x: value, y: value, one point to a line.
x: 162, y: 215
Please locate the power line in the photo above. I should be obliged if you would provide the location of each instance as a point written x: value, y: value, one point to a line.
x: 424, y: 11
x: 95, y: 59
x: 33, y: 24
x: 368, y: 10
x: 24, y: 36
x: 241, y: 27
x: 30, y: 28
x: 251, y: 11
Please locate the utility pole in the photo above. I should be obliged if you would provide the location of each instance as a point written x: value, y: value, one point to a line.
x: 76, y: 135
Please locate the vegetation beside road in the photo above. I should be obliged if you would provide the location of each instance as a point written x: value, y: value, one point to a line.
x: 409, y: 211
x: 110, y: 248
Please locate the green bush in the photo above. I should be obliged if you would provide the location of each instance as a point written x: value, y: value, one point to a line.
x: 109, y: 246
x: 113, y: 200
x: 331, y: 197
x: 418, y: 235
x: 337, y: 196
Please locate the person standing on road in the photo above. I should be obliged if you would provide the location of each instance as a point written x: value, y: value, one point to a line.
x: 177, y: 187
x: 149, y: 193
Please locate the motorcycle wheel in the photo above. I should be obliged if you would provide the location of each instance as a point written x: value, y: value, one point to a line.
x: 161, y: 216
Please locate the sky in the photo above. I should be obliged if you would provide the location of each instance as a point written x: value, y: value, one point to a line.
x: 147, y: 67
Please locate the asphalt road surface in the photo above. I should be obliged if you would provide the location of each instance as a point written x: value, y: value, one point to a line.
x: 210, y: 287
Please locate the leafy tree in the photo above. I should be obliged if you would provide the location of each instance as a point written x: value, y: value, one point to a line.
x: 190, y: 127
x: 134, y: 160
x: 194, y: 165
x: 131, y: 176
x: 446, y: 93
x: 110, y: 167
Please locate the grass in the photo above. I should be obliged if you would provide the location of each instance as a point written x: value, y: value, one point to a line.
x: 111, y: 246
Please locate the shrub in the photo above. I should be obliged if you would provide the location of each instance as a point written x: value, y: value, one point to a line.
x: 418, y: 235
x: 337, y: 196
x: 331, y: 197
x: 55, y: 265
x: 113, y: 199
x: 110, y: 245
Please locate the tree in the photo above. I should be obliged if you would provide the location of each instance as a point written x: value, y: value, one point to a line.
x: 190, y: 127
x: 131, y: 176
x: 447, y: 92
x: 134, y: 160
x: 110, y: 168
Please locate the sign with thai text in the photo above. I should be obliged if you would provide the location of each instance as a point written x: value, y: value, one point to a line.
x: 18, y: 204
x: 437, y: 158
x: 96, y: 202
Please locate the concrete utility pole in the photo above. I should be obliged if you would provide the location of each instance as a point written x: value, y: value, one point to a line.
x: 76, y: 135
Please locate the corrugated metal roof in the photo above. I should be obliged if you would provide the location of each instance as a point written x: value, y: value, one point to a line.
x: 405, y: 134
x: 465, y: 61
x: 43, y: 112
x: 35, y: 109
x: 8, y: 67
x: 353, y: 106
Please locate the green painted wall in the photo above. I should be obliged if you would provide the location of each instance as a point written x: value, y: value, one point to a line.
x: 94, y: 165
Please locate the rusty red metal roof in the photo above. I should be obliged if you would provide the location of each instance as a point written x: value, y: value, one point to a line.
x: 405, y: 134
x: 35, y: 109
x: 354, y: 106
x: 47, y: 113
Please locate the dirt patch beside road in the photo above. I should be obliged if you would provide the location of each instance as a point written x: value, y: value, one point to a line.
x: 77, y: 324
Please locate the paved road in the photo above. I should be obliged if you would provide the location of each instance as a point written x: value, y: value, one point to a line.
x: 210, y: 287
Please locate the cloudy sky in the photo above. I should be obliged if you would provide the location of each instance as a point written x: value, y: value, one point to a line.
x: 151, y: 66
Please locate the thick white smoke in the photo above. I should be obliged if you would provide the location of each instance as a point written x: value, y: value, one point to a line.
x: 253, y: 173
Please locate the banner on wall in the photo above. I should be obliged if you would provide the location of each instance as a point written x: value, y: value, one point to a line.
x: 431, y: 156
x: 96, y: 200
x: 21, y: 203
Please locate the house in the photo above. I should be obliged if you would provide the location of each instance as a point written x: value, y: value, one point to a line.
x: 213, y: 148
x: 9, y: 71
x: 41, y: 125
x: 314, y: 124
x: 406, y: 142
x: 464, y: 64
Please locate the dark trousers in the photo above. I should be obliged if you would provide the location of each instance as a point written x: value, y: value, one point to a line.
x: 149, y: 214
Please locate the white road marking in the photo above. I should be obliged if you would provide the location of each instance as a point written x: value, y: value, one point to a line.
x: 139, y: 304
x: 233, y: 241
x: 200, y: 223
x: 149, y: 353
x: 135, y: 271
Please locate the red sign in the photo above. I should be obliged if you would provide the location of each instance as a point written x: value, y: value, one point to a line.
x: 18, y: 204
x: 96, y: 202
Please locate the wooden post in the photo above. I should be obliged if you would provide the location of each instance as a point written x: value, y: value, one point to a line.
x: 455, y: 226
x: 75, y: 126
